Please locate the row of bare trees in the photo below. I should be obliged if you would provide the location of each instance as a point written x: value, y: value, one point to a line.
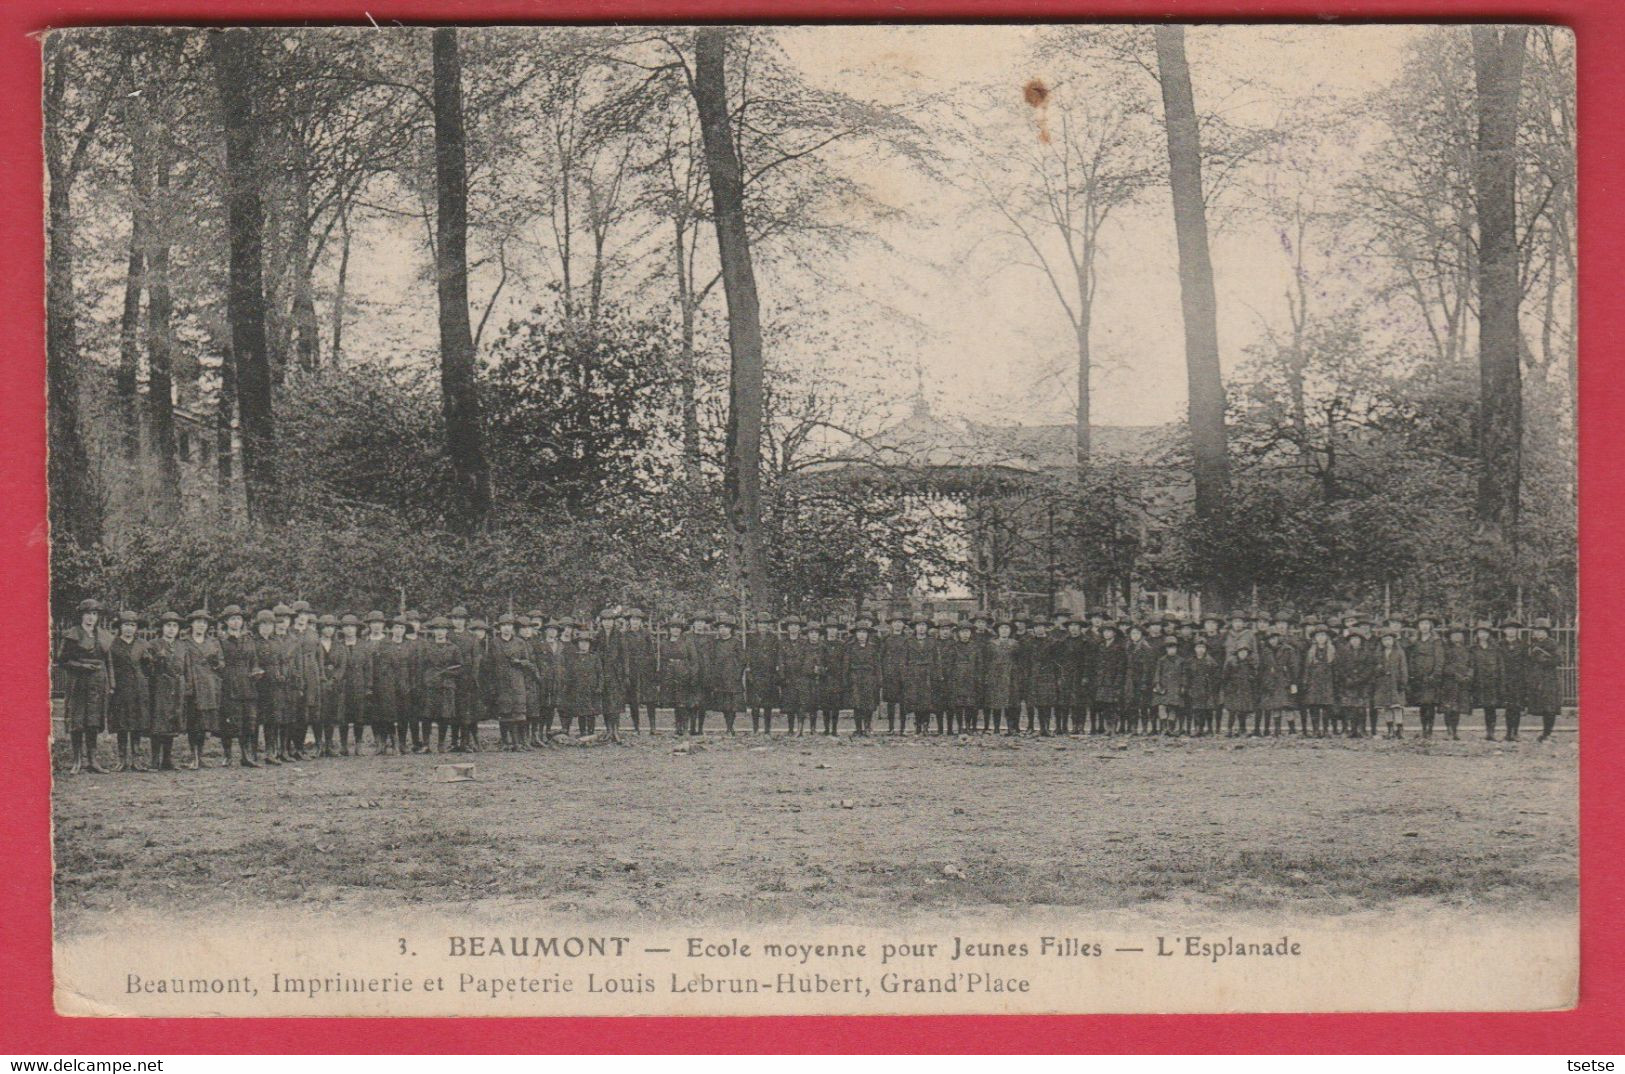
x: 255, y: 166
x: 1463, y: 210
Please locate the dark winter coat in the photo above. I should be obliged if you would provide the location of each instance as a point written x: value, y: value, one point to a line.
x: 1142, y: 674
x: 676, y: 671
x: 961, y: 668
x: 394, y: 670
x: 350, y: 675
x: 306, y: 680
x: 204, y: 662
x: 1110, y: 678
x: 167, y: 661
x: 509, y: 669
x: 1391, y: 675
x: 1277, y: 675
x: 799, y: 661
x: 999, y: 688
x: 1456, y: 680
x: 762, y: 670
x: 1356, y: 674
x: 583, y: 682
x: 863, y: 670
x: 1239, y: 692
x: 238, y: 695
x: 725, y: 680
x: 1203, y: 681
x: 1543, y: 685
x: 130, y: 707
x: 268, y: 684
x: 1514, y: 673
x: 1488, y: 665
x: 86, y: 667
x: 1320, y: 670
x: 1044, y: 669
x: 891, y: 665
x: 1425, y: 662
x: 1168, y: 687
x: 441, y: 668
x: 918, y: 660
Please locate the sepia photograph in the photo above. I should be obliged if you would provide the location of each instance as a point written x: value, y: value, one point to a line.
x: 1055, y: 518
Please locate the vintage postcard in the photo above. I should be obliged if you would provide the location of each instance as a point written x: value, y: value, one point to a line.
x: 647, y: 520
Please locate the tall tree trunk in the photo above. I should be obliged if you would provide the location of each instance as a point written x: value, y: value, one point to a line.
x: 74, y: 503
x: 459, y: 399
x: 75, y: 512
x: 742, y: 475
x: 1197, y: 302
x: 225, y: 411
x: 160, y: 348
x: 237, y: 77
x: 302, y: 315
x: 1498, y: 56
x: 129, y: 329
x: 336, y: 350
x: 687, y: 372
x: 1082, y: 435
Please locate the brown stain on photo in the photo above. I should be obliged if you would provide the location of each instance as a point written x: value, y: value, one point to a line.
x: 1036, y: 94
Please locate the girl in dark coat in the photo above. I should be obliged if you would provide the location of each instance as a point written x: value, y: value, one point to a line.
x: 1487, y: 669
x: 727, y: 674
x: 394, y: 669
x: 797, y: 675
x: 1357, y: 670
x: 584, y: 680
x: 508, y: 668
x: 307, y: 681
x: 1168, y: 687
x: 204, y: 661
x: 1456, y: 680
x: 167, y: 664
x: 283, y: 646
x: 267, y: 686
x: 1543, y: 686
x: 1514, y: 676
x: 238, y: 708
x: 83, y: 658
x: 364, y: 711
x: 128, y: 710
x: 1319, y: 682
x: 1239, y: 691
x: 530, y: 625
x: 338, y: 643
x: 999, y: 689
x: 762, y: 673
x: 891, y: 671
x: 863, y: 676
x: 441, y: 665
x: 1390, y: 682
x: 675, y: 671
x: 1277, y: 679
x: 964, y: 672
x: 1109, y: 681
x: 1044, y: 678
x: 1203, y: 683
x: 1142, y: 677
x: 918, y: 665
x: 698, y: 649
x: 1425, y: 663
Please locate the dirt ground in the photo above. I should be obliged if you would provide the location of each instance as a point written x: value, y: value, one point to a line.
x: 747, y: 829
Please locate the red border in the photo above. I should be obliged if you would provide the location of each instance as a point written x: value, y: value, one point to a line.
x: 29, y: 1024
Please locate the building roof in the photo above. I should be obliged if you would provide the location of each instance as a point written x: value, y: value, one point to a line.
x: 924, y: 441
